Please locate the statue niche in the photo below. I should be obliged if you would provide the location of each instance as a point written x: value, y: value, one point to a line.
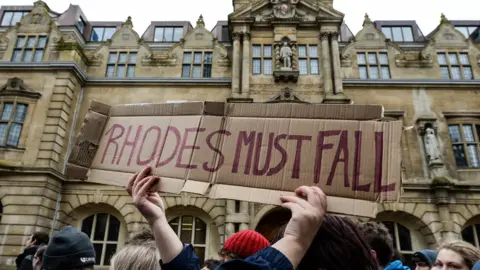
x: 286, y: 60
x: 432, y: 149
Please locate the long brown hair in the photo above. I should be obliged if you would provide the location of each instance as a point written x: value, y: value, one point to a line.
x: 338, y: 245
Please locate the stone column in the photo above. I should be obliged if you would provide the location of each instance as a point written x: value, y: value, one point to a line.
x: 230, y: 211
x: 246, y: 66
x: 236, y: 65
x: 337, y: 76
x: 244, y: 210
x: 327, y: 71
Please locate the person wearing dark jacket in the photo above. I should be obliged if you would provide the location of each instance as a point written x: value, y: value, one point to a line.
x: 24, y: 261
x: 424, y: 259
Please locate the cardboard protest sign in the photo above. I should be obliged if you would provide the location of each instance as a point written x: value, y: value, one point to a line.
x: 252, y: 152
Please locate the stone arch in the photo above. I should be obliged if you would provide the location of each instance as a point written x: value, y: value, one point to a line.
x: 215, y: 209
x: 269, y: 219
x: 422, y: 235
x: 464, y: 215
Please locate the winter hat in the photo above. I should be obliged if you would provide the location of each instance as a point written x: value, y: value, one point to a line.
x: 427, y: 255
x: 69, y: 249
x: 476, y: 266
x: 245, y: 243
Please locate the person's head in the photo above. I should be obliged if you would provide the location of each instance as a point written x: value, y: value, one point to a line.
x: 242, y: 245
x: 139, y: 256
x: 145, y: 235
x: 37, y: 239
x: 379, y: 240
x: 456, y: 255
x: 38, y: 258
x: 424, y: 259
x: 210, y: 264
x: 69, y: 249
x: 338, y: 245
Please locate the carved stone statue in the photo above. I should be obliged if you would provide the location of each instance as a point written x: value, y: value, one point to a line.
x: 431, y: 146
x: 286, y: 56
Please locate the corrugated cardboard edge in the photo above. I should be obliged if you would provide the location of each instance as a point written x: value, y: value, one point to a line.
x: 168, y: 109
x: 336, y: 205
x: 86, y: 144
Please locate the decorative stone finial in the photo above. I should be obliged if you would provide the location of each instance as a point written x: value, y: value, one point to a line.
x: 200, y: 22
x: 128, y: 22
x: 39, y: 3
x: 443, y: 19
x: 367, y: 20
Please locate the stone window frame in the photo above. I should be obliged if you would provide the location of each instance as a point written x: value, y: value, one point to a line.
x: 397, y: 240
x: 262, y: 59
x: 175, y: 28
x: 31, y: 103
x: 11, y: 121
x: 179, y: 230
x: 460, y: 121
x: 379, y: 65
x: 448, y: 65
x: 103, y: 37
x: 11, y: 19
x: 309, y: 58
x: 115, y: 63
x: 475, y: 227
x: 106, y: 233
x: 191, y: 64
x: 21, y: 49
x: 402, y: 28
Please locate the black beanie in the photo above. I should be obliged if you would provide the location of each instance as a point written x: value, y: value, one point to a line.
x: 69, y: 249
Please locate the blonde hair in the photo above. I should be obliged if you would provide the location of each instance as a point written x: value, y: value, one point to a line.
x: 469, y: 253
x: 139, y: 257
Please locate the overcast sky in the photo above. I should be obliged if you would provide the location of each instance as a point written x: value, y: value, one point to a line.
x: 425, y: 12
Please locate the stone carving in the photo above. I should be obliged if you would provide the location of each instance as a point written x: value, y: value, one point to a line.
x: 284, y: 9
x: 431, y: 146
x: 285, y: 96
x: 413, y: 59
x: 16, y: 87
x: 286, y: 56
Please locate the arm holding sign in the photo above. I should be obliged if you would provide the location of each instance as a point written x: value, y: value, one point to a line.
x: 145, y: 197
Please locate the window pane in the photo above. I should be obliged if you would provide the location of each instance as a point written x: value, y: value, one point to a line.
x: 174, y: 224
x: 197, y: 71
x: 445, y: 73
x: 456, y: 75
x: 31, y: 42
x: 385, y: 73
x: 178, y: 34
x: 109, y: 31
x: 468, y: 236
x: 87, y: 225
x: 100, y: 227
x: 122, y: 58
x: 314, y: 66
x: 267, y: 51
x: 7, y: 18
x: 374, y: 73
x: 452, y: 57
x: 186, y: 229
x: 207, y: 58
x: 112, y: 58
x: 302, y: 51
x: 372, y: 58
x: 397, y: 34
x: 473, y: 154
x: 468, y: 133
x: 27, y: 56
x: 361, y: 59
x: 3, y: 133
x: 313, y: 51
x: 21, y: 42
x: 256, y: 66
x: 168, y: 34
x: 391, y: 229
x: 132, y: 58
x: 110, y: 250
x: 197, y: 58
x: 464, y: 59
x: 404, y: 238
x: 131, y: 71
x: 363, y: 72
x: 467, y: 73
x: 463, y: 30
x: 256, y: 51
x: 17, y: 17
x: 38, y: 56
x: 42, y: 41
x: 186, y: 71
x: 113, y: 229
x: 387, y: 32
x: 303, y: 66
x: 383, y: 57
x: 110, y: 70
x: 454, y: 131
x: 187, y: 57
x: 407, y: 34
x: 200, y: 252
x: 120, y: 71
x: 267, y: 67
x: 98, y: 252
x: 459, y: 153
x: 200, y: 232
x: 97, y: 33
x: 207, y: 71
x: 442, y: 59
x: 14, y: 134
x: 7, y: 111
x: 20, y: 113
x: 159, y: 34
x: 17, y: 56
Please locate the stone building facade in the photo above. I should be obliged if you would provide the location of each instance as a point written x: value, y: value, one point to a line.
x: 53, y: 64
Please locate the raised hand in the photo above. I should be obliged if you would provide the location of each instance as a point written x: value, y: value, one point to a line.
x: 142, y: 188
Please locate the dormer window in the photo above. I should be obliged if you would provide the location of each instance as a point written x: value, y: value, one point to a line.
x: 466, y: 30
x: 81, y: 25
x: 168, y: 34
x: 102, y: 33
x: 12, y: 17
x: 398, y: 33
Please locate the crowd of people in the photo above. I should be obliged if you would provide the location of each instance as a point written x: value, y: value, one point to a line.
x: 310, y: 240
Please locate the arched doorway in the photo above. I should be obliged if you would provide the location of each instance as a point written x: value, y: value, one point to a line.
x: 272, y: 221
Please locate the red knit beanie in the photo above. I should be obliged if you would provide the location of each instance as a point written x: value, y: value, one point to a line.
x: 245, y: 243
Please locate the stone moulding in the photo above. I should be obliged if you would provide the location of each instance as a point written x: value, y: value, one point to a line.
x: 16, y: 87
x: 286, y: 76
x: 413, y: 60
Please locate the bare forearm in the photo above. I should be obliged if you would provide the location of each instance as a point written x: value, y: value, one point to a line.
x: 166, y: 239
x: 292, y: 249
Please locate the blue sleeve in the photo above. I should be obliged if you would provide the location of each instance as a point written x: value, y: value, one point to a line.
x: 266, y: 259
x: 186, y: 260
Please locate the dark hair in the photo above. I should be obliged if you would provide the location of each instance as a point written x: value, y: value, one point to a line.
x: 223, y: 254
x: 40, y: 238
x: 338, y: 245
x: 211, y: 264
x: 142, y: 237
x: 377, y: 236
